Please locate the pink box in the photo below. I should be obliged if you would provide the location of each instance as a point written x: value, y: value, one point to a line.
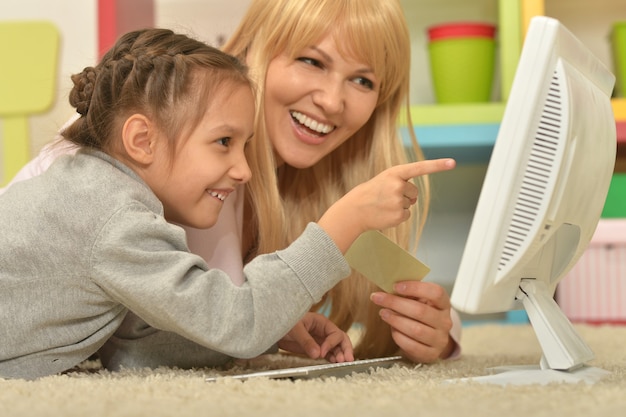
x: 594, y: 291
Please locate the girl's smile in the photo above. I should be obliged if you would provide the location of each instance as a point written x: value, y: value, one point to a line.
x: 220, y: 195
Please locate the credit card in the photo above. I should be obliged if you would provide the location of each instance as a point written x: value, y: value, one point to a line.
x: 383, y: 262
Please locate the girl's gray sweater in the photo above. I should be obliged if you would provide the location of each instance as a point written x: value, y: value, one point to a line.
x: 86, y: 242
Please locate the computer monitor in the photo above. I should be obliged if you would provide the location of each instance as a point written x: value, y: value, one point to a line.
x: 543, y: 193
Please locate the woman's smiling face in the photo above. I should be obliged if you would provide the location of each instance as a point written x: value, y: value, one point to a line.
x: 316, y: 101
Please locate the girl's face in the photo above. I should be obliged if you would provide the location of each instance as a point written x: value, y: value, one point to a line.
x: 209, y: 165
x: 315, y: 102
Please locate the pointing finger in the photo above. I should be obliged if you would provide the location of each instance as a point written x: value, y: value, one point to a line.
x: 415, y: 169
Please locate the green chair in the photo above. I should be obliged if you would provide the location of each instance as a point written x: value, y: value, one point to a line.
x: 28, y: 70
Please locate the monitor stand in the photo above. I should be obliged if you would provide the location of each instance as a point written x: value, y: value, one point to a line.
x: 564, y: 351
x: 534, y: 374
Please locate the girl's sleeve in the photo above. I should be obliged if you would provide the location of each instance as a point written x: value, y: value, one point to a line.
x: 142, y: 262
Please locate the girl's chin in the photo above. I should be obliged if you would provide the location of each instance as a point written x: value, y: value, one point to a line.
x: 201, y: 224
x: 204, y: 225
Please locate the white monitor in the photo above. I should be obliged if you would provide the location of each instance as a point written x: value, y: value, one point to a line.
x: 543, y: 193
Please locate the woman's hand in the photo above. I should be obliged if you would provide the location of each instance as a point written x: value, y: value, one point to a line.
x: 419, y: 316
x: 318, y: 337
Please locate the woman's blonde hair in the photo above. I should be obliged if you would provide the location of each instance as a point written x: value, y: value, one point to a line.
x: 371, y: 31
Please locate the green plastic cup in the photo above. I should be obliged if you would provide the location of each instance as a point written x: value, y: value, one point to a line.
x: 618, y: 42
x: 462, y: 60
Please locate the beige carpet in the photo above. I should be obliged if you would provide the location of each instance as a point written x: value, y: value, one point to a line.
x: 398, y: 391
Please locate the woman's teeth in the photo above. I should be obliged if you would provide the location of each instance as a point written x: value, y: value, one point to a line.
x: 311, y: 124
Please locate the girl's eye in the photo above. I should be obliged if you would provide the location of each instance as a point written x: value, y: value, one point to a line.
x: 224, y: 141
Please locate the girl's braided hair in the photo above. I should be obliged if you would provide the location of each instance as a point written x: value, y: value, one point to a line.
x: 167, y: 76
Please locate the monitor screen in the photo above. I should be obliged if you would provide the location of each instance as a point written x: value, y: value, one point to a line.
x: 543, y: 191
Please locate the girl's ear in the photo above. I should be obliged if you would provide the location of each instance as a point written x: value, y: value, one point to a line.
x: 139, y: 137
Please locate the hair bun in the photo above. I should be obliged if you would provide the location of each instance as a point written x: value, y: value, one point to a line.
x: 80, y: 96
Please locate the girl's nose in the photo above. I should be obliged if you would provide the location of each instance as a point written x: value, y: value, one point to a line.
x: 240, y: 171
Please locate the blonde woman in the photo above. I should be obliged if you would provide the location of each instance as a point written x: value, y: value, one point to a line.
x: 333, y: 78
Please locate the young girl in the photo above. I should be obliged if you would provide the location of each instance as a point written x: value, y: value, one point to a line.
x: 164, y: 124
x: 307, y: 56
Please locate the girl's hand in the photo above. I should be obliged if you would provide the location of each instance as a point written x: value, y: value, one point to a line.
x: 382, y: 202
x: 419, y: 316
x: 318, y: 337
